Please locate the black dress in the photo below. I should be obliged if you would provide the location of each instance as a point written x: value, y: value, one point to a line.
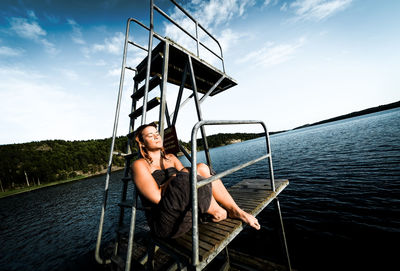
x: 172, y: 216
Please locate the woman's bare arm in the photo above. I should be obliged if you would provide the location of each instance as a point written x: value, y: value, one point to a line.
x: 145, y: 182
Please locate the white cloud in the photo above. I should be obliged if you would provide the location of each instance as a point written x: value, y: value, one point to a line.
x: 49, y: 47
x: 267, y: 2
x: 284, y: 7
x: 32, y: 108
x: 69, y: 74
x: 31, y: 14
x: 228, y: 38
x: 114, y: 72
x: 272, y: 54
x: 7, y: 51
x: 113, y: 45
x: 210, y: 14
x: 31, y: 30
x: 76, y: 35
x: 26, y: 29
x: 317, y: 10
x: 270, y: 2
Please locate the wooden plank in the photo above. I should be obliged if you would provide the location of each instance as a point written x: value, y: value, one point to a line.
x: 247, y: 199
x: 251, y: 195
x: 212, y: 228
x: 223, y: 227
x: 203, y: 244
x: 228, y: 223
x: 213, y: 235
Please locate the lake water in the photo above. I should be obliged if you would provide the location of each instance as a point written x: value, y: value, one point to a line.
x: 341, y: 208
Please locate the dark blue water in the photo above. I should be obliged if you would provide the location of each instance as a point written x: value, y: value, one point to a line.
x: 341, y: 208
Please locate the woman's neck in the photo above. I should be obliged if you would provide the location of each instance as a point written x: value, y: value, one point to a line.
x: 155, y: 156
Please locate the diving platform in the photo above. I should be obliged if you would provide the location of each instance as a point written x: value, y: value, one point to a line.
x: 206, y: 75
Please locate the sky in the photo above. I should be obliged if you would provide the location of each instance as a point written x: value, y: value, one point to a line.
x: 295, y: 62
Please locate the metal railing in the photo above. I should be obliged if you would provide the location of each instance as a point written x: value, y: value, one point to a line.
x: 197, y: 26
x: 193, y: 176
x: 196, y: 38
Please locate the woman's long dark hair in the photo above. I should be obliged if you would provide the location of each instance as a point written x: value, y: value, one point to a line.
x: 140, y: 142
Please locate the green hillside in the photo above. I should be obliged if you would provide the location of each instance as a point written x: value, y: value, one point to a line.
x: 30, y: 164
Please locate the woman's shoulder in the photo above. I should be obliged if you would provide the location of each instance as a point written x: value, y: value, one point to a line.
x: 170, y: 156
x: 141, y: 162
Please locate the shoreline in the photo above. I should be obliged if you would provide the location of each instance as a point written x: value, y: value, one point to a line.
x: 17, y: 191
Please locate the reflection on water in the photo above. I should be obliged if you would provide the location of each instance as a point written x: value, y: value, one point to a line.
x: 341, y: 205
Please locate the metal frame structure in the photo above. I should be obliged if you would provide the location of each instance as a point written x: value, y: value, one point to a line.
x: 165, y: 118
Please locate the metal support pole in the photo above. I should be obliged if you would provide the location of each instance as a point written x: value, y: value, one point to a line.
x: 271, y: 169
x: 150, y: 48
x: 199, y: 115
x: 193, y: 179
x: 197, y: 38
x: 180, y: 93
x: 163, y: 90
x: 131, y: 233
x: 115, y: 128
x: 283, y: 233
x: 212, y: 88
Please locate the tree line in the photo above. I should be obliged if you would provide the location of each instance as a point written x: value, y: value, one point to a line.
x: 220, y: 139
x: 48, y: 161
x: 53, y: 160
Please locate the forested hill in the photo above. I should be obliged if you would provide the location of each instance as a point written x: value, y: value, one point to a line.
x: 55, y: 160
x: 47, y: 161
x: 222, y: 139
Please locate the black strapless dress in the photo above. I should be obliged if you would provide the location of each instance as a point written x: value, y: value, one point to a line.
x: 172, y: 216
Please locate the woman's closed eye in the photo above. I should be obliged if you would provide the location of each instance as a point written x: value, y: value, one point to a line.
x: 153, y: 135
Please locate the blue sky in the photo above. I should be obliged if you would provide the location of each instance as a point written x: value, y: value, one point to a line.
x: 296, y: 62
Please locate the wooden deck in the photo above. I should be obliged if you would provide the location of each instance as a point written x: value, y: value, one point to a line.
x: 252, y: 195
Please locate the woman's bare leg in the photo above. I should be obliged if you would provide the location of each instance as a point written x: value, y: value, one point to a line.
x: 222, y: 196
x: 216, y: 211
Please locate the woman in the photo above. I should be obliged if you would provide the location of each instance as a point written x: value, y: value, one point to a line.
x: 164, y: 186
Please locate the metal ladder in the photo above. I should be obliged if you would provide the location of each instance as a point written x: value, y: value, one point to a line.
x: 156, y: 70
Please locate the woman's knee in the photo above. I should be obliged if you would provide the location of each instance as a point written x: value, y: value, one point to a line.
x: 203, y: 170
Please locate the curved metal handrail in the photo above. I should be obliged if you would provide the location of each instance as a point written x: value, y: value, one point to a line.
x: 195, y: 185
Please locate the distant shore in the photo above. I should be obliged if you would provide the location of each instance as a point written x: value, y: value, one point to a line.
x: 355, y: 114
x: 16, y: 191
x: 346, y: 116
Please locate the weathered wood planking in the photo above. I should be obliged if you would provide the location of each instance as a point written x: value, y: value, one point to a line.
x: 252, y: 195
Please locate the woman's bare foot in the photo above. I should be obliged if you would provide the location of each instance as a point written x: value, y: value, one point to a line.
x: 246, y: 218
x: 216, y: 211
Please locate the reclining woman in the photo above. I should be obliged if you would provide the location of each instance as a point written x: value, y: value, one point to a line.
x: 164, y: 188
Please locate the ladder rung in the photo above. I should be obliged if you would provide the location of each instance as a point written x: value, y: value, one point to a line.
x: 130, y: 68
x: 126, y: 155
x: 141, y: 75
x: 155, y: 81
x: 137, y: 45
x: 126, y: 204
x: 126, y: 179
x: 130, y: 156
x: 150, y: 105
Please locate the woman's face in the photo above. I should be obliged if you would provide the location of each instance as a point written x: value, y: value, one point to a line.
x: 151, y: 138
